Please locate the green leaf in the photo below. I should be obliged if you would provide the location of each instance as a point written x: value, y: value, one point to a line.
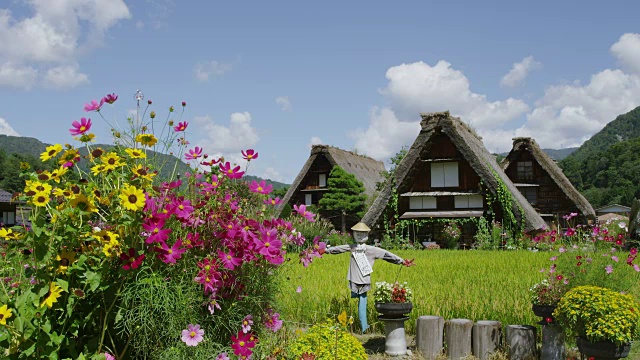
x: 63, y: 284
x: 93, y: 279
x: 81, y: 260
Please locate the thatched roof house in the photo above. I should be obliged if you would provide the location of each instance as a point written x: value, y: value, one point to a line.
x: 7, y: 208
x: 448, y: 173
x: 311, y: 182
x: 542, y: 182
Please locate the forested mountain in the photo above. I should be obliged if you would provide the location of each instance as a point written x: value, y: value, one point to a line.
x: 15, y: 149
x: 606, y: 168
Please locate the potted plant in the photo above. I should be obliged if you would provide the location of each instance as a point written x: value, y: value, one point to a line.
x: 393, y: 300
x: 545, y: 296
x: 604, y: 321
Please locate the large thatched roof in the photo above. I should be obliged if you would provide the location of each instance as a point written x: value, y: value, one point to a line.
x: 549, y: 165
x: 364, y: 168
x: 470, y: 146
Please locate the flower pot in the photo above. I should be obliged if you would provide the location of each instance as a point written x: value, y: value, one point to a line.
x: 543, y: 311
x: 602, y: 350
x: 394, y: 310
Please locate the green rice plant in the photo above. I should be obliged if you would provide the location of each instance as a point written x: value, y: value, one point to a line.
x: 476, y: 285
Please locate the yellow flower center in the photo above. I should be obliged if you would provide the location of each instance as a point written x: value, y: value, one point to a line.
x: 192, y: 334
x: 169, y: 251
x: 181, y: 207
x: 228, y: 257
x: 83, y: 128
x: 230, y: 171
x: 241, y: 343
x: 267, y: 244
x: 207, y: 267
x: 259, y: 188
x: 156, y: 230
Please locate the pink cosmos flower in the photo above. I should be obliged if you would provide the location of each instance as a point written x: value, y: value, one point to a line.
x: 636, y: 267
x: 182, y: 126
x: 229, y: 260
x: 182, y: 209
x: 93, y: 105
x: 130, y: 260
x: 272, y: 201
x: 246, y: 323
x: 614, y: 258
x: 609, y: 269
x: 155, y: 231
x: 299, y: 289
x: 249, y: 155
x: 213, y: 304
x: 108, y: 356
x: 193, y: 335
x: 193, y: 154
x: 79, y: 128
x: 302, y: 210
x: 267, y: 243
x: 242, y: 344
x: 222, y: 356
x: 273, y: 323
x: 215, y: 182
x: 260, y: 188
x: 170, y: 254
x: 110, y: 98
x: 633, y: 251
x: 234, y: 173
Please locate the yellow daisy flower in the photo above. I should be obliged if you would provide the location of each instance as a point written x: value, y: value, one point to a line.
x: 136, y: 153
x: 40, y: 199
x: 143, y: 172
x: 105, y: 236
x: 38, y: 186
x: 146, y: 139
x: 132, y: 198
x: 68, y: 155
x: 50, y: 152
x: 84, y: 203
x: 5, y: 313
x: 52, y: 296
x: 111, y: 248
x: 98, y: 169
x: 58, y: 173
x: 111, y: 161
x: 8, y: 234
x: 62, y: 192
x: 65, y: 259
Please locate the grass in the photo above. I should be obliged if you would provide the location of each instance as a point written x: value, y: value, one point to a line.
x: 476, y: 285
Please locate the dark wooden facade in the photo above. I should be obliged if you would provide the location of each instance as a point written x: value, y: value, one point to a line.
x: 539, y: 188
x: 311, y: 182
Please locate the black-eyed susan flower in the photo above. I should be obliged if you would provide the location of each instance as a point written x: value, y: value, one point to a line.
x: 70, y: 155
x: 5, y: 313
x: 65, y: 259
x: 58, y: 173
x: 111, y: 161
x: 40, y: 199
x: 132, y: 198
x: 50, y: 152
x: 83, y: 203
x: 98, y: 169
x: 112, y: 248
x: 146, y: 139
x: 38, y: 186
x: 105, y: 236
x: 52, y: 295
x: 62, y: 192
x: 8, y: 234
x: 136, y: 153
x: 143, y: 172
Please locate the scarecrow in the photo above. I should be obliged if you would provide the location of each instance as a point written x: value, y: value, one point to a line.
x: 361, y: 266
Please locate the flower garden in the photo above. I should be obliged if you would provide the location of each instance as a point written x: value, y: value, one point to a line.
x: 128, y: 257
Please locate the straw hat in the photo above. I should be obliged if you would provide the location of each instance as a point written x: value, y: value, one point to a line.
x: 360, y: 227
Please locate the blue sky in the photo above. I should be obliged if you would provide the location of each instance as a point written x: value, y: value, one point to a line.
x: 280, y: 76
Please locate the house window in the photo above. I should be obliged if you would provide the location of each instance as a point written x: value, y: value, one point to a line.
x: 531, y: 194
x: 422, y: 202
x: 444, y: 174
x: 322, y: 180
x: 468, y: 201
x: 525, y: 170
x: 308, y: 199
x: 8, y: 217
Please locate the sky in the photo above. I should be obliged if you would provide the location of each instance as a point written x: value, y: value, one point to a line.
x: 281, y: 76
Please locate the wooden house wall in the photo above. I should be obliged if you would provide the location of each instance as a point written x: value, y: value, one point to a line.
x: 550, y: 197
x: 311, y: 180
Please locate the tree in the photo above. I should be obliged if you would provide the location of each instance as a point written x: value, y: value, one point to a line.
x: 345, y: 195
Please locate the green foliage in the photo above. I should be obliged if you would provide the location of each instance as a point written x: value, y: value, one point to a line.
x: 451, y: 234
x: 327, y: 340
x: 345, y: 195
x: 335, y: 238
x: 394, y: 162
x: 599, y: 314
x: 606, y: 167
x: 309, y: 230
x: 513, y: 226
x: 488, y: 235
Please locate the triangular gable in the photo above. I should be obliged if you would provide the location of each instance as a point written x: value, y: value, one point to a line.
x: 529, y: 145
x: 473, y: 151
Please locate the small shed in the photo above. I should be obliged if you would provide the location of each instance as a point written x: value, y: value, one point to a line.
x: 614, y: 209
x: 8, y: 208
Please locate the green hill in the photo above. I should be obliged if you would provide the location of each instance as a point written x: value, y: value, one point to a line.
x: 556, y: 154
x: 605, y: 167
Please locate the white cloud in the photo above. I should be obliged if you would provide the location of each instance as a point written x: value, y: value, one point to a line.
x: 227, y: 140
x: 627, y: 50
x: 272, y: 174
x: 418, y: 87
x: 56, y: 34
x: 385, y: 135
x: 284, y: 103
x: 6, y: 129
x: 519, y: 72
x: 314, y: 141
x: 212, y: 68
x: 17, y: 76
x: 66, y: 76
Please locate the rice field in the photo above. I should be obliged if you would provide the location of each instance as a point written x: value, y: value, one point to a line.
x: 476, y: 285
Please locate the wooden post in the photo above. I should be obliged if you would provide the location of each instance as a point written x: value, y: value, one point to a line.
x: 458, y: 337
x: 521, y: 340
x: 429, y: 331
x: 486, y: 337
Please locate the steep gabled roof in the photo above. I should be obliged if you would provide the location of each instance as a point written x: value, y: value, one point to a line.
x: 364, y: 168
x: 5, y: 196
x: 549, y: 165
x: 470, y: 146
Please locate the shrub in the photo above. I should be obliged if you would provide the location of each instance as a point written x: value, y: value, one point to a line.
x: 327, y: 340
x: 397, y: 293
x: 335, y: 238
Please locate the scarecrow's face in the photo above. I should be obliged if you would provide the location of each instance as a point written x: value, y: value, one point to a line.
x: 360, y: 236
